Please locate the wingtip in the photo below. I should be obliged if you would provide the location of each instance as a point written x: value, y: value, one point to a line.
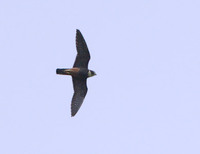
x: 73, y: 114
x: 77, y: 30
x: 73, y: 111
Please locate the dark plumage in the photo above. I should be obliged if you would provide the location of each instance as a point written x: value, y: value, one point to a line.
x: 79, y: 73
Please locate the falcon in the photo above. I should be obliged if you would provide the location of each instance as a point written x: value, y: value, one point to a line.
x: 79, y: 73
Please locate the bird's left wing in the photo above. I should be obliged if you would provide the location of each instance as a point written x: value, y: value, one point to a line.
x: 80, y: 90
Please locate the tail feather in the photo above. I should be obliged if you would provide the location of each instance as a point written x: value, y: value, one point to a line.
x: 60, y: 71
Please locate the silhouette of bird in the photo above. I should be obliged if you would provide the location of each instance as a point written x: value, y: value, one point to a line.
x: 79, y: 73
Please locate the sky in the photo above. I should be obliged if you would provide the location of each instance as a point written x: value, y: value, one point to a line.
x: 145, y: 98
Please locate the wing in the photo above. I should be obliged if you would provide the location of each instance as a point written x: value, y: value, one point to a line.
x: 83, y: 55
x: 80, y: 90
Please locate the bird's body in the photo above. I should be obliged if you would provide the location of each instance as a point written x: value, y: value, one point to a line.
x: 79, y: 73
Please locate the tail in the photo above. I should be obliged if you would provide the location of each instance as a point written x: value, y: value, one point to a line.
x: 62, y: 71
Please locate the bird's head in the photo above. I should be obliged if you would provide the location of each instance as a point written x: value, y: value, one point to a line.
x: 91, y: 73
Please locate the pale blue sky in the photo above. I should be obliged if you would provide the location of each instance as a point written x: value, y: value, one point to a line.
x: 144, y: 99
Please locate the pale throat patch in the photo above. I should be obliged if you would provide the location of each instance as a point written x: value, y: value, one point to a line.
x: 89, y: 73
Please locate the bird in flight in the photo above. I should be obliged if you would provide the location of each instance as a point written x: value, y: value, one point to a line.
x: 79, y: 73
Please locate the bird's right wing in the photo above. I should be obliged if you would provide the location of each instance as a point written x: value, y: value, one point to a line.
x: 83, y: 55
x: 80, y: 90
